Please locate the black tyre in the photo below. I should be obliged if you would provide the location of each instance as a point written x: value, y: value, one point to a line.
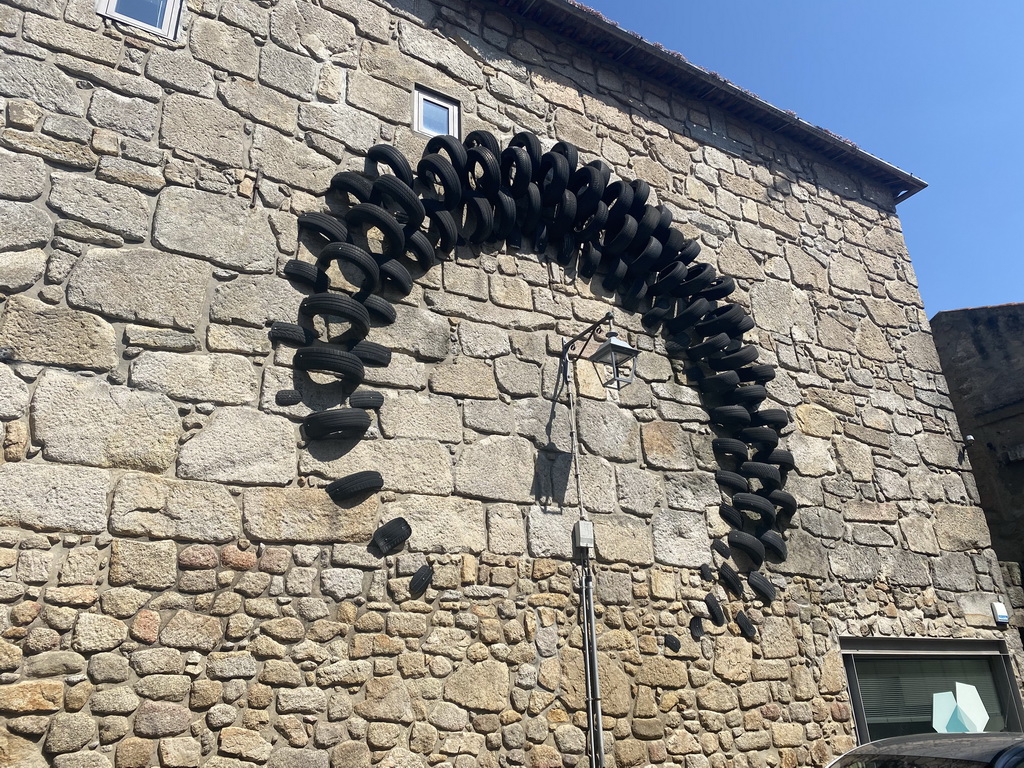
x: 647, y: 223
x: 748, y: 545
x: 761, y: 586
x: 719, y: 288
x: 641, y: 194
x: 672, y: 643
x: 759, y: 505
x: 483, y: 172
x: 774, y: 544
x: 359, y: 258
x: 721, y: 320
x: 452, y: 147
x: 731, y: 448
x: 290, y: 333
x: 767, y: 474
x: 746, y: 625
x: 676, y: 346
x: 339, y: 305
x: 561, y: 217
x: 373, y: 354
x: 382, y: 309
x: 391, y: 536
x: 569, y: 152
x: 696, y: 627
x: 619, y: 236
x: 643, y: 259
x: 330, y: 360
x: 715, y: 610
x: 689, y: 316
x: 732, y: 360
x: 340, y: 422
x: 731, y: 515
x: 588, y: 185
x: 305, y: 273
x: 698, y: 277
x: 367, y: 216
x: 394, y: 273
x: 484, y: 139
x: 351, y: 183
x: 761, y: 438
x: 749, y: 396
x: 784, y: 500
x: 729, y: 579
x: 504, y: 216
x: 358, y: 483
x: 689, y: 252
x: 721, y: 548
x: 385, y: 154
x: 516, y: 170
x: 668, y: 278
x: 528, y: 142
x: 417, y: 244
x: 783, y: 459
x: 590, y: 259
x: 590, y: 226
x: 286, y: 397
x: 618, y: 196
x: 554, y: 177
x: 397, y: 198
x: 717, y: 383
x: 328, y: 226
x: 705, y: 572
x: 661, y: 309
x: 614, y: 278
x: 603, y: 168
x: 776, y: 418
x: 421, y: 580
x: 731, y: 481
x: 709, y: 346
x: 730, y: 416
x: 367, y: 399
x: 478, y: 218
x: 443, y: 232
x: 758, y: 374
x: 528, y: 209
x: 434, y: 171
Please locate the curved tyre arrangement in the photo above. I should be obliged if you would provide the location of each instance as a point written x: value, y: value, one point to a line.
x: 401, y: 216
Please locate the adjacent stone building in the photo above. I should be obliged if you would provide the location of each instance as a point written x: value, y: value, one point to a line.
x: 177, y: 589
x: 982, y: 354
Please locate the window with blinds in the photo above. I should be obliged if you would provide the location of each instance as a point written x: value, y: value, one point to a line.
x: 894, y: 681
x: 896, y: 693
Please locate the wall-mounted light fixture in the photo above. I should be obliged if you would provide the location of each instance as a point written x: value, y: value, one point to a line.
x: 620, y: 359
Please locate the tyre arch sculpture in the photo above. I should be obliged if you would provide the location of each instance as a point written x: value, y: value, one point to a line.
x: 475, y: 192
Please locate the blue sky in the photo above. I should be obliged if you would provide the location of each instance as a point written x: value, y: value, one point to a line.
x: 932, y: 86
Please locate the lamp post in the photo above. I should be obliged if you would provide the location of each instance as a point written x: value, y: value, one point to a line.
x: 617, y: 355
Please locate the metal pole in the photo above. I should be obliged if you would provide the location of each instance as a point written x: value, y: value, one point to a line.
x: 594, y: 694
x: 590, y: 676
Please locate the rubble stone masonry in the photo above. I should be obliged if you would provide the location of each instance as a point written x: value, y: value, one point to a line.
x: 176, y: 588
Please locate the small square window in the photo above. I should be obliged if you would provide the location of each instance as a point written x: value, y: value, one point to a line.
x: 162, y: 17
x: 434, y: 114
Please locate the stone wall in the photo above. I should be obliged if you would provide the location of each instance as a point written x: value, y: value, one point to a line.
x: 177, y: 587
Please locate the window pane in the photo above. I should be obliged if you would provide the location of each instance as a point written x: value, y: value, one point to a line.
x: 435, y: 117
x: 897, y: 692
x: 147, y: 11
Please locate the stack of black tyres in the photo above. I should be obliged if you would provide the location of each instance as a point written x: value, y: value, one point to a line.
x: 475, y: 192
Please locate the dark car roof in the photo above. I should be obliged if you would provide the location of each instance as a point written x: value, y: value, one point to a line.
x: 979, y: 747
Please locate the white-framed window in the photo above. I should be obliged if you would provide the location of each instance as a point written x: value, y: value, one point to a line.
x: 162, y: 17
x: 434, y: 114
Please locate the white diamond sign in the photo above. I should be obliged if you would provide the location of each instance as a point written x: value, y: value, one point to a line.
x: 963, y: 712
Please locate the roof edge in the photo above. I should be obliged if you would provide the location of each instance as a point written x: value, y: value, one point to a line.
x: 628, y: 49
